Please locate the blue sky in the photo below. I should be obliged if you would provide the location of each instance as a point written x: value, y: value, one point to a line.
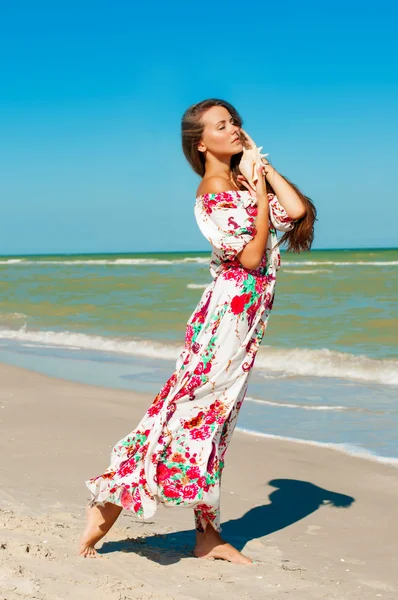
x: 92, y: 93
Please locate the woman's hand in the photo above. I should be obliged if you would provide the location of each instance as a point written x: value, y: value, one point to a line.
x: 260, y: 191
x: 261, y: 186
x: 249, y: 143
x: 268, y: 170
x: 246, y: 139
x: 242, y: 180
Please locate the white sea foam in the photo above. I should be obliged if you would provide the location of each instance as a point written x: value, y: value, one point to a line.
x: 11, y: 261
x: 49, y: 346
x: 82, y: 341
x: 340, y: 263
x: 306, y: 271
x: 327, y: 363
x: 117, y: 261
x: 197, y: 286
x: 351, y: 449
x: 302, y: 406
x: 270, y: 362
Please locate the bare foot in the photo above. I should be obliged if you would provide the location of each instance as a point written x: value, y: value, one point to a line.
x: 99, y: 521
x: 211, y: 545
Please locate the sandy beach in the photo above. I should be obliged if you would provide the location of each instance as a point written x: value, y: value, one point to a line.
x: 319, y: 523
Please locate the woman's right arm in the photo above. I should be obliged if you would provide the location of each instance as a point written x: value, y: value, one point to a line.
x: 251, y: 255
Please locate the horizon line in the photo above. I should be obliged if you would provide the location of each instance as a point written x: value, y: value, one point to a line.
x: 180, y: 252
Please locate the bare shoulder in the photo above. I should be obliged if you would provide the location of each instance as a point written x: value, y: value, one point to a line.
x: 214, y: 185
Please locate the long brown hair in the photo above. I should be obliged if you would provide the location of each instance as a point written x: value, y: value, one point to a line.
x: 300, y: 238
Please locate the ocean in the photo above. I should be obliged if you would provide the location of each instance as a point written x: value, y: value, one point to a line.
x: 326, y: 372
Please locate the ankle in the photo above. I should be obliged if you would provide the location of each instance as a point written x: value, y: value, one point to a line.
x: 209, y: 534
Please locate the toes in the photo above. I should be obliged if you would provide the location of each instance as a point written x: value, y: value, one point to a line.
x: 88, y: 552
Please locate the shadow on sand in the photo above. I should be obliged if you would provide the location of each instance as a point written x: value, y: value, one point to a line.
x: 292, y: 501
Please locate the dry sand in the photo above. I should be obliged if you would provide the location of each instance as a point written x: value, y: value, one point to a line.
x: 319, y: 523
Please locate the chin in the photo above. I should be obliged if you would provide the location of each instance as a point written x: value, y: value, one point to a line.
x: 238, y: 149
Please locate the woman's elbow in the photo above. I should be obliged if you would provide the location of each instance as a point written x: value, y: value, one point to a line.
x: 249, y: 262
x: 298, y: 214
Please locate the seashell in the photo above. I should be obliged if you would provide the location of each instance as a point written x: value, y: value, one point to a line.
x: 249, y: 163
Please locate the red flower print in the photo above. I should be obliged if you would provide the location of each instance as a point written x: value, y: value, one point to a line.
x: 167, y: 386
x: 267, y: 300
x: 199, y: 369
x: 164, y: 472
x: 223, y: 199
x: 190, y: 491
x: 188, y: 334
x: 194, y: 383
x: 126, y: 468
x: 210, y: 463
x: 193, y: 473
x: 180, y: 394
x: 252, y: 211
x: 203, y: 483
x: 171, y: 491
x: 126, y: 498
x: 199, y: 317
x: 207, y: 368
x: 238, y: 275
x: 201, y: 434
x: 142, y: 480
x: 195, y: 421
x: 252, y: 311
x: 271, y: 302
x: 208, y: 204
x: 155, y: 408
x: 210, y: 418
x: 247, y: 366
x: 178, y: 457
x: 206, y: 512
x: 195, y: 348
x: 238, y: 303
x: 251, y: 345
x: 170, y: 411
x: 107, y: 475
x: 232, y: 223
x: 259, y: 285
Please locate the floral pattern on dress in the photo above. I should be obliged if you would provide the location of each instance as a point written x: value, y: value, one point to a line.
x: 176, y: 454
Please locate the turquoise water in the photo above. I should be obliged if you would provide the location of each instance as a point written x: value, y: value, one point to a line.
x: 327, y: 370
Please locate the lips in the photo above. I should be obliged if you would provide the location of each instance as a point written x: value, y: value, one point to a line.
x: 237, y: 139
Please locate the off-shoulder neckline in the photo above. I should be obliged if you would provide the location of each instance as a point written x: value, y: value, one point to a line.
x: 224, y: 192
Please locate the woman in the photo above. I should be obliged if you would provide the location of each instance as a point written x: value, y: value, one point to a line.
x: 176, y: 453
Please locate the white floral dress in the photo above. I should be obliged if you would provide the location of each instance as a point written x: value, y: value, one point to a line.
x: 175, y: 455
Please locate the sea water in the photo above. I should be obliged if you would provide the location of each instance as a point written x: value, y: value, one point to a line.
x: 326, y: 372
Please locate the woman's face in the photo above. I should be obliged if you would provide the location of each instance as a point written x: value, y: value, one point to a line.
x: 221, y: 134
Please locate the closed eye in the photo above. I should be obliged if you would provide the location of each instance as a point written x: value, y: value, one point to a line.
x: 232, y: 120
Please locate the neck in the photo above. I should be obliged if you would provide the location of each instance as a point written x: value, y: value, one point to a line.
x: 218, y: 166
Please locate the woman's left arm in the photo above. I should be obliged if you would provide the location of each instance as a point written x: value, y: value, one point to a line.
x: 286, y: 195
